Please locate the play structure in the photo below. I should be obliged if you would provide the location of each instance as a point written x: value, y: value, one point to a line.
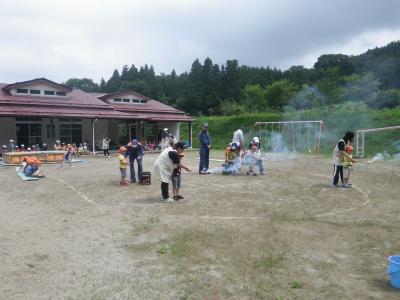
x: 15, y: 158
x: 296, y: 136
x: 360, y: 138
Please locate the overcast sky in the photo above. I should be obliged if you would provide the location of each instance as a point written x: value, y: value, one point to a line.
x: 90, y: 38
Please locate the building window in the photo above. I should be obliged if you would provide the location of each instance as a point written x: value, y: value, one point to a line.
x: 34, y: 92
x: 71, y: 131
x: 126, y: 100
x: 63, y: 94
x: 22, y: 91
x: 117, y: 99
x: 135, y: 100
x: 143, y: 101
x: 29, y: 131
x: 49, y: 93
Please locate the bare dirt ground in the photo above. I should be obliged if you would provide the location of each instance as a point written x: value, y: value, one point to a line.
x: 77, y: 234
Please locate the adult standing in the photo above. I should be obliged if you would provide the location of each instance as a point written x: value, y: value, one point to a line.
x: 167, y: 139
x: 205, y: 146
x: 338, y: 158
x: 164, y: 165
x: 106, y: 146
x: 238, y: 137
x: 135, y: 152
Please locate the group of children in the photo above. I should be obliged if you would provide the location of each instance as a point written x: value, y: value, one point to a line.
x: 235, y: 156
x: 13, y: 147
x: 82, y: 149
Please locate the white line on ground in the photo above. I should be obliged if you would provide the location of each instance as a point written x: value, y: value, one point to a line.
x: 365, y: 196
x: 75, y: 190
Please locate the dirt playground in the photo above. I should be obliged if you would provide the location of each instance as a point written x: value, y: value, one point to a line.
x: 77, y: 234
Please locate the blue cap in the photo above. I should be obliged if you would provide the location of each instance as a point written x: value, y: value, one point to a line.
x: 134, y: 143
x: 205, y: 125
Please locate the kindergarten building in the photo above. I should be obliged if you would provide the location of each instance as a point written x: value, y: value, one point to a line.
x: 41, y: 111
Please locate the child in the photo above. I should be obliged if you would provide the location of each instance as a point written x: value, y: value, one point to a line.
x: 176, y: 178
x: 122, y: 165
x: 347, y: 165
x: 32, y: 169
x: 67, y: 157
x: 165, y: 164
x: 252, y: 156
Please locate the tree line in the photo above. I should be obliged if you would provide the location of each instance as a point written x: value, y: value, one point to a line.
x: 372, y: 78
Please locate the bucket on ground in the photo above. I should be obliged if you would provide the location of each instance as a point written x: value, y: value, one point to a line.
x: 394, y: 270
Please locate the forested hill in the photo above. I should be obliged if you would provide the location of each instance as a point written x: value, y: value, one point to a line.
x: 211, y: 89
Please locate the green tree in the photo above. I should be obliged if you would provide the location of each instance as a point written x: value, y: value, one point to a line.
x: 254, y: 98
x: 114, y: 83
x: 231, y: 80
x: 279, y: 93
x: 85, y: 84
x: 361, y: 88
x: 342, y: 62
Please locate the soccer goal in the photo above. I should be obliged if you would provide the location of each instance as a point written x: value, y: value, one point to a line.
x: 296, y: 136
x: 360, y: 138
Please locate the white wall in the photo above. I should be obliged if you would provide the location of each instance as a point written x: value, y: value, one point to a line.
x: 7, y: 130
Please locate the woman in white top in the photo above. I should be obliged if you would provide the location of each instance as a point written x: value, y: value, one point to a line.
x: 106, y: 146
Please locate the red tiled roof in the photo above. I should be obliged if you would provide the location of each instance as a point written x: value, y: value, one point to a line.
x: 84, y: 105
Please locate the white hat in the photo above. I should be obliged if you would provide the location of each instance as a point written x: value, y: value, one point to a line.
x: 255, y: 139
x: 4, y: 146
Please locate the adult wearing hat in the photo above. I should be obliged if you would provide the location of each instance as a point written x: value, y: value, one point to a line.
x: 205, y: 146
x: 11, y: 146
x: 135, y: 152
x: 167, y: 139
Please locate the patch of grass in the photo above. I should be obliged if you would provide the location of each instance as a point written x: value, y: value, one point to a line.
x: 163, y: 249
x: 146, y: 227
x: 268, y: 263
x: 296, y: 285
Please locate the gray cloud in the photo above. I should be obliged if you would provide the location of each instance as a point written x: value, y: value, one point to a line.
x: 63, y: 39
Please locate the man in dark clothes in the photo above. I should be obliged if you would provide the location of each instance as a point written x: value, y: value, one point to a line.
x: 205, y: 145
x: 338, y: 158
x: 135, y: 152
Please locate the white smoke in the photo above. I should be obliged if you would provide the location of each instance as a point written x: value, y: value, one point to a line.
x: 380, y: 156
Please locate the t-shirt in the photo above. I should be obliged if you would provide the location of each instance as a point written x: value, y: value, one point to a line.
x: 176, y: 172
x: 338, y: 156
x: 121, y: 160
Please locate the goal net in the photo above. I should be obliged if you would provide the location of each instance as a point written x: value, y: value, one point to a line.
x: 360, y: 138
x: 295, y: 136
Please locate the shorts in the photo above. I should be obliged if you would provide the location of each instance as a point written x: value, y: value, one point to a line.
x: 176, y: 182
x: 123, y: 172
x: 346, y: 172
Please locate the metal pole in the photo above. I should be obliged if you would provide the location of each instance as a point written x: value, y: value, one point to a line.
x: 191, y: 135
x: 93, y: 140
x: 319, y: 137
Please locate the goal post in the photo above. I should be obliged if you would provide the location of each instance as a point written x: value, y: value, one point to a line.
x: 295, y: 131
x: 360, y: 138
